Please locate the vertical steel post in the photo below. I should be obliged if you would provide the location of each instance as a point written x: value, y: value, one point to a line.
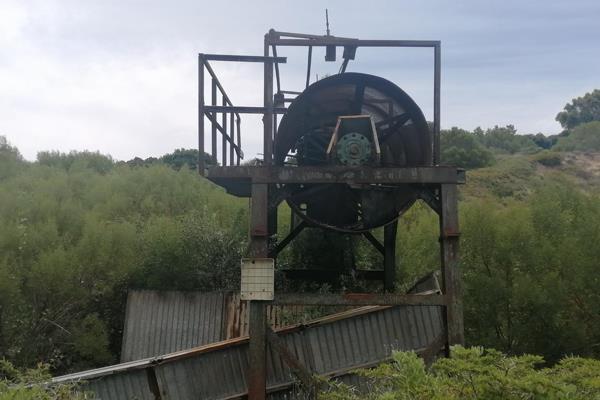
x: 232, y: 137
x: 257, y: 361
x: 389, y: 256
x: 257, y: 368
x: 268, y: 104
x: 259, y: 247
x: 239, y: 139
x: 213, y: 101
x: 224, y: 134
x: 449, y: 244
x: 308, y: 66
x: 437, y: 81
x: 201, y: 114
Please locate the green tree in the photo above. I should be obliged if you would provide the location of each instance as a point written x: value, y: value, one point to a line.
x: 505, y: 139
x: 11, y: 160
x: 584, y: 137
x: 463, y: 149
x: 580, y: 110
x: 76, y: 235
x: 76, y: 160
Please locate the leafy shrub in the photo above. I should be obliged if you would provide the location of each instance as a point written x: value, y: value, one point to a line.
x: 585, y: 137
x: 510, y: 177
x: 463, y: 149
x: 474, y: 373
x: 75, y: 236
x: 505, y: 139
x: 31, y: 384
x: 76, y: 160
x: 548, y: 158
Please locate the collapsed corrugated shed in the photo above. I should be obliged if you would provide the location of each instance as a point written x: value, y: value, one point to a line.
x: 163, y: 322
x: 329, y: 346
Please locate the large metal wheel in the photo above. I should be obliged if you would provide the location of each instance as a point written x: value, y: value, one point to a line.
x: 304, y: 134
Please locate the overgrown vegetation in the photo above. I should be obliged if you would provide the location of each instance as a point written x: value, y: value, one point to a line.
x: 474, y: 373
x: 31, y: 384
x: 79, y: 229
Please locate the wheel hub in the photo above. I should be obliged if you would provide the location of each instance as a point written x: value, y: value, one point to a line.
x: 353, y: 149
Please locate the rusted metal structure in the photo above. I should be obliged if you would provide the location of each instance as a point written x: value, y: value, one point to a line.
x: 163, y: 322
x: 332, y: 346
x: 351, y: 153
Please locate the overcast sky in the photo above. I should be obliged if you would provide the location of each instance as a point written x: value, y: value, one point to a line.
x: 120, y: 76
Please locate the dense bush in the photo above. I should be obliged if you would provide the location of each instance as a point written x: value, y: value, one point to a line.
x: 30, y: 384
x: 478, y: 148
x: 463, y: 149
x: 474, y: 373
x: 585, y: 137
x: 78, y: 231
x: 548, y: 158
x: 505, y: 139
x: 529, y: 272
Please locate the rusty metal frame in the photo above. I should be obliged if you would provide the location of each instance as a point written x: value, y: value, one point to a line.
x: 275, y: 38
x: 438, y: 186
x: 227, y: 108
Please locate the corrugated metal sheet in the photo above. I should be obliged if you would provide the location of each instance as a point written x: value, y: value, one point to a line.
x: 132, y: 385
x: 332, y: 345
x: 162, y: 322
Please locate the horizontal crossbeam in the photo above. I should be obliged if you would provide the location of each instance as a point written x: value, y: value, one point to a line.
x: 323, y: 275
x: 243, y: 109
x: 359, y: 299
x: 236, y: 58
x: 333, y: 41
x: 338, y: 174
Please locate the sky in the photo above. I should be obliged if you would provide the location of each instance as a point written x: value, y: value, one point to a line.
x: 120, y: 77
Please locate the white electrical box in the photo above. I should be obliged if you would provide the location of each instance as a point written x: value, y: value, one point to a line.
x: 258, y: 279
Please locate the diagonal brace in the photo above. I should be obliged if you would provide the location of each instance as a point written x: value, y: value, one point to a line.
x: 376, y: 243
x: 281, y: 245
x: 298, y: 369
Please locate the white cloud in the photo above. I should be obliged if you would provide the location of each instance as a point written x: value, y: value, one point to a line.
x: 120, y: 77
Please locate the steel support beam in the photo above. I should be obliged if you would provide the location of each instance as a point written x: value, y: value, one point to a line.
x: 376, y: 243
x: 389, y: 256
x: 334, y: 41
x: 243, y: 109
x: 257, y: 373
x: 236, y: 58
x: 213, y: 120
x: 325, y: 275
x: 293, y: 233
x: 200, y: 114
x: 437, y: 79
x: 268, y: 110
x: 302, y: 373
x: 449, y: 243
x: 340, y: 174
x: 257, y: 360
x: 358, y: 299
x: 224, y: 137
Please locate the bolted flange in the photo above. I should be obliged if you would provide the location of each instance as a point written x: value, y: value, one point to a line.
x: 353, y: 149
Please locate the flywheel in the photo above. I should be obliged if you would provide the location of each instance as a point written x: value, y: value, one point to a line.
x: 310, y: 135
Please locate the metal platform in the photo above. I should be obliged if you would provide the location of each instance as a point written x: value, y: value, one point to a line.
x: 238, y: 180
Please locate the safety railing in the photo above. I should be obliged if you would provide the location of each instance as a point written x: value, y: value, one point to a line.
x: 229, y: 123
